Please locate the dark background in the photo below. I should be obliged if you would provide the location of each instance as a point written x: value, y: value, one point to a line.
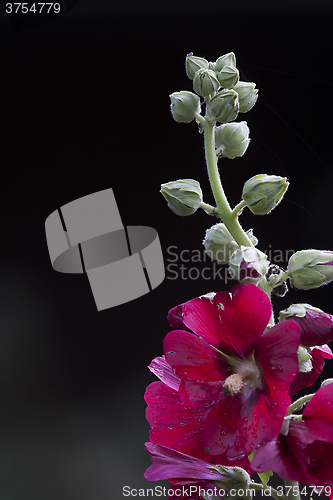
x: 85, y: 107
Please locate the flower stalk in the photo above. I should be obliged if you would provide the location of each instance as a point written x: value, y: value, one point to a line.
x: 292, y: 490
x: 224, y: 210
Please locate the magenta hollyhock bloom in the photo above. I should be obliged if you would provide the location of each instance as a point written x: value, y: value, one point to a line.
x: 233, y: 377
x: 318, y: 356
x: 304, y: 452
x: 316, y: 325
x: 175, y: 426
x: 316, y: 331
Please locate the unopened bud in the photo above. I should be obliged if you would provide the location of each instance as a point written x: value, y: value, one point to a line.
x: 316, y: 325
x: 264, y: 192
x: 232, y: 139
x: 220, y: 245
x: 310, y: 268
x: 238, y: 483
x: 193, y: 64
x: 184, y: 106
x: 212, y: 66
x: 183, y: 196
x: 226, y: 60
x: 205, y: 82
x: 228, y: 76
x: 247, y: 95
x: 224, y: 106
x: 248, y: 264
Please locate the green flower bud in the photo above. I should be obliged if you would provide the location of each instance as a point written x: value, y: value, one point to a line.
x: 220, y: 245
x: 212, y: 66
x: 205, y: 82
x: 228, y: 76
x: 310, y: 268
x: 184, y: 106
x: 183, y: 196
x: 224, y: 106
x: 226, y: 60
x: 238, y: 482
x: 247, y: 95
x: 264, y: 192
x: 193, y: 63
x: 232, y: 139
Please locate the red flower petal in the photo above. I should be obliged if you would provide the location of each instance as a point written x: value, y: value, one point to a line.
x: 196, y: 394
x: 303, y: 380
x: 168, y: 463
x: 175, y: 317
x: 234, y: 323
x: 325, y: 351
x: 222, y: 428
x: 316, y: 327
x: 164, y: 372
x: 171, y: 424
x: 179, y: 428
x: 276, y: 353
x: 193, y: 358
x: 280, y: 458
x: 321, y: 405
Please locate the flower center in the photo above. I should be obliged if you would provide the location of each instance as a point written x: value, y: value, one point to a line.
x: 232, y: 385
x: 246, y: 379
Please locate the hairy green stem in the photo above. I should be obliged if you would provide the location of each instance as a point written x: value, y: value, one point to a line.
x: 299, y: 402
x: 223, y: 207
x: 208, y: 208
x: 291, y: 489
x: 238, y: 208
x: 273, y: 492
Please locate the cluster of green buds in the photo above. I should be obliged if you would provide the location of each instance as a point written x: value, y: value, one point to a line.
x: 224, y: 95
x: 217, y: 98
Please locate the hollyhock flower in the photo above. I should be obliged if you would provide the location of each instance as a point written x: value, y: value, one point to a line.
x: 304, y: 451
x: 193, y: 474
x: 316, y: 325
x: 175, y: 426
x: 316, y: 331
x: 318, y: 354
x: 231, y: 374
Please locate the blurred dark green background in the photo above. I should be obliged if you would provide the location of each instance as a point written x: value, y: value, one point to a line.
x: 85, y: 107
